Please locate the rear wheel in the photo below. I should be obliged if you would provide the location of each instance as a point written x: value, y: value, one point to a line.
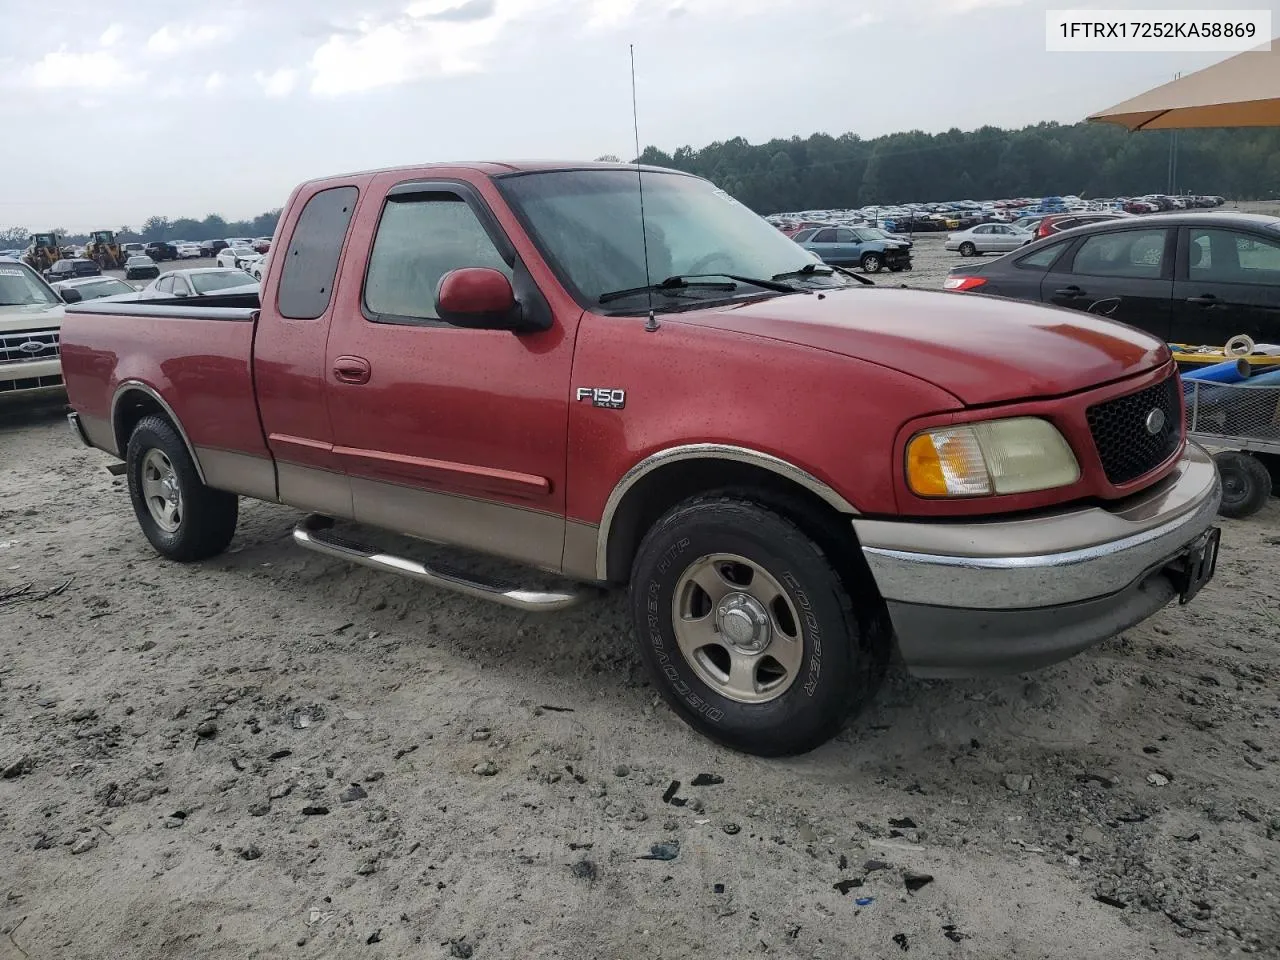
x: 1246, y: 484
x: 747, y: 629
x: 184, y: 519
x: 967, y: 249
x: 872, y: 262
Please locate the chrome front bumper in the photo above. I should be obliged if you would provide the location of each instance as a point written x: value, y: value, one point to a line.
x: 1005, y: 596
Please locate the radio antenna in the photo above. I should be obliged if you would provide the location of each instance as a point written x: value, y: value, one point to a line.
x: 652, y: 323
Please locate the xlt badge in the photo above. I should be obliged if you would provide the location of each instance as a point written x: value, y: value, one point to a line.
x: 611, y: 398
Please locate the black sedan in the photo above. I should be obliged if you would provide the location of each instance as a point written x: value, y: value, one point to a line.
x: 72, y: 267
x: 1197, y: 278
x: 140, y: 268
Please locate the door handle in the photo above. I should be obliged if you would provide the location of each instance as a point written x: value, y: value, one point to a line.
x: 1071, y: 291
x: 352, y: 370
x: 1205, y: 300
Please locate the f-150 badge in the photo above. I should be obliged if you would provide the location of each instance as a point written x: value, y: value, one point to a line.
x: 610, y: 398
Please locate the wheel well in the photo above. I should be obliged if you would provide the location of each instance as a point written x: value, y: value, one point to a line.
x: 130, y: 409
x: 660, y: 490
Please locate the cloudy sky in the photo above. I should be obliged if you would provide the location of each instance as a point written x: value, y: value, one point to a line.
x: 112, y: 112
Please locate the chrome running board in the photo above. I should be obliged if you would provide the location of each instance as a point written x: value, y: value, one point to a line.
x: 315, y: 533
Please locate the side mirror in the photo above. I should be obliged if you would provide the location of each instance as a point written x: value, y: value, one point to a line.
x: 71, y: 295
x: 181, y: 293
x: 478, y: 297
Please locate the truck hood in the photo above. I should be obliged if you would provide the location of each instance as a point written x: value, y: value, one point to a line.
x: 30, y: 316
x: 982, y: 350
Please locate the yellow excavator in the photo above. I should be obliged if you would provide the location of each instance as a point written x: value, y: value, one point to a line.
x: 42, y: 251
x: 103, y: 250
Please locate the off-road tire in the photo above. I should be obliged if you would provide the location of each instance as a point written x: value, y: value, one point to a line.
x: 871, y: 263
x: 1246, y: 484
x: 208, y: 520
x: 967, y: 249
x: 837, y: 675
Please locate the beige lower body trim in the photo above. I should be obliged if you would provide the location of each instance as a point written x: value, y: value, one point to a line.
x: 239, y: 473
x: 310, y: 488
x: 527, y: 536
x: 98, y: 431
x: 580, y: 549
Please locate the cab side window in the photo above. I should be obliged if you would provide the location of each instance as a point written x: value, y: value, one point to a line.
x: 420, y: 238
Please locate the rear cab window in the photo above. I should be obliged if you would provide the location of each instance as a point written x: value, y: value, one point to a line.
x: 311, y: 261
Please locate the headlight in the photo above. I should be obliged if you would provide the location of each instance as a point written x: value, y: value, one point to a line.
x: 1017, y: 455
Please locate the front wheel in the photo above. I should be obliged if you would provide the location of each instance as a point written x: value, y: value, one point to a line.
x: 967, y: 249
x: 1246, y: 484
x: 183, y: 519
x: 747, y: 629
x: 872, y: 262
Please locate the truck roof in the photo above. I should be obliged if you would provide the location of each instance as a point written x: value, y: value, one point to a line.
x: 499, y: 168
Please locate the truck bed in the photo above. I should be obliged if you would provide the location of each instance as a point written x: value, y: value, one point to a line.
x: 197, y: 356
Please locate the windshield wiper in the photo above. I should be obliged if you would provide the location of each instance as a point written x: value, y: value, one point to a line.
x: 774, y: 284
x: 669, y: 287
x: 812, y: 270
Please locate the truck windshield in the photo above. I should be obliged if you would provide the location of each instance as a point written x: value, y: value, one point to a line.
x: 587, y: 224
x: 20, y: 287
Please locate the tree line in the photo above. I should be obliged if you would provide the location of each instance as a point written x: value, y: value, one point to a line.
x: 824, y: 172
x: 1085, y: 159
x: 212, y: 227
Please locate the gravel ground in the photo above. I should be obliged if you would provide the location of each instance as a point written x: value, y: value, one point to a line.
x: 276, y: 754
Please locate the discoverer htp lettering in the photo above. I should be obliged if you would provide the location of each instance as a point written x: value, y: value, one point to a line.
x: 811, y: 629
x: 665, y: 661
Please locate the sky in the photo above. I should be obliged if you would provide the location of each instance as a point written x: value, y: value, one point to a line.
x: 113, y: 112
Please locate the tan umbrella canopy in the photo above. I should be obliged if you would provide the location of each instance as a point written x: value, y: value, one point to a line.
x: 1241, y: 92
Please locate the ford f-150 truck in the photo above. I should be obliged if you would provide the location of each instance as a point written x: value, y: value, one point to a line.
x: 795, y: 472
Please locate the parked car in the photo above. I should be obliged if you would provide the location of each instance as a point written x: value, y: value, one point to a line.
x: 864, y: 247
x: 159, y: 250
x: 235, y: 256
x: 140, y: 268
x: 90, y: 288
x: 1057, y: 222
x: 475, y: 374
x: 133, y: 250
x: 1197, y: 278
x: 258, y: 268
x: 199, y: 282
x: 186, y: 250
x: 211, y: 248
x: 31, y: 315
x: 262, y: 244
x: 988, y: 238
x: 73, y: 267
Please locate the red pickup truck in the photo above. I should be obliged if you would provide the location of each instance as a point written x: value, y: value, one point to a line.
x: 795, y: 472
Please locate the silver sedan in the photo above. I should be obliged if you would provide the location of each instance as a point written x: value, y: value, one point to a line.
x: 988, y: 238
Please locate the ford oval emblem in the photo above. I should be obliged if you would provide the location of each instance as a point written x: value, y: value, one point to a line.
x: 31, y: 346
x: 1155, y: 421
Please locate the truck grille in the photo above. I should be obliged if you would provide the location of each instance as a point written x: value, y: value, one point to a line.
x: 27, y: 345
x: 30, y: 383
x: 1120, y: 428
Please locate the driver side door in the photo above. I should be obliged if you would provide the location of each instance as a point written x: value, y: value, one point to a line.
x: 449, y: 434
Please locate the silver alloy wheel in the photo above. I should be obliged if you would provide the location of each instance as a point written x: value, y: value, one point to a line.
x: 737, y: 628
x: 161, y: 491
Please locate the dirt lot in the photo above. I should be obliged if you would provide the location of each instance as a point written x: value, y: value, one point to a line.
x: 276, y: 754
